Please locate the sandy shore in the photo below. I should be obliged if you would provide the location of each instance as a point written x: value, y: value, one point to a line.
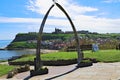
x: 43, y: 50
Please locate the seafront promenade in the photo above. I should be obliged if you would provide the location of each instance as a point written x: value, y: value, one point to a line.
x: 99, y: 71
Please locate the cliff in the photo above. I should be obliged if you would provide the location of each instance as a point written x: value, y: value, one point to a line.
x: 28, y: 40
x: 25, y: 37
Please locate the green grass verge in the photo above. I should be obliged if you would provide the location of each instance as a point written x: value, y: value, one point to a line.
x: 4, y: 69
x: 51, y: 56
x: 21, y: 45
x: 102, y: 56
x: 3, y: 61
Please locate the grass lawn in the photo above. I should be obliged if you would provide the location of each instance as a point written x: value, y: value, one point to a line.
x: 51, y: 56
x: 102, y: 56
x: 4, y: 69
x: 3, y: 61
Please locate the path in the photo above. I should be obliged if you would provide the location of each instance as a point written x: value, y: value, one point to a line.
x: 99, y: 71
x: 6, y: 63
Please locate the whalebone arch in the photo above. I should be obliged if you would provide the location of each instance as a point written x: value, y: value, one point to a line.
x: 72, y: 25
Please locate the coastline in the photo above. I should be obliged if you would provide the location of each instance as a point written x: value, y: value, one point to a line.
x: 2, y: 48
x: 42, y: 50
x: 20, y: 52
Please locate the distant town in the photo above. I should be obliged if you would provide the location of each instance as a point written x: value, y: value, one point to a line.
x: 61, y: 40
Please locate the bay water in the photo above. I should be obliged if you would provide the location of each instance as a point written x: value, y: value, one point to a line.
x: 4, y: 43
x: 6, y: 54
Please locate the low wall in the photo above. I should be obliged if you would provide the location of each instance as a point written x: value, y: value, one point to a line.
x: 47, y: 63
x: 83, y: 47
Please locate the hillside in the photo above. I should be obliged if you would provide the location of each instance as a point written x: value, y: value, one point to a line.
x: 28, y: 40
x: 46, y: 36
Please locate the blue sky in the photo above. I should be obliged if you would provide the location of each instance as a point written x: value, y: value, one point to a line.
x: 22, y: 16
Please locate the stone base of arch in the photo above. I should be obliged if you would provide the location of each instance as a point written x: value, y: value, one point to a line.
x: 40, y: 71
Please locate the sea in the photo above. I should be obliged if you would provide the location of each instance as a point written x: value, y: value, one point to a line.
x: 7, y: 54
x: 4, y: 43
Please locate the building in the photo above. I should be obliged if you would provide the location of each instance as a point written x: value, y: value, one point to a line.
x: 57, y: 31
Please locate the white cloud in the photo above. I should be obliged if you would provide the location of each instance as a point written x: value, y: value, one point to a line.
x: 94, y: 24
x: 111, y: 1
x: 81, y: 21
x: 41, y: 6
x: 19, y: 20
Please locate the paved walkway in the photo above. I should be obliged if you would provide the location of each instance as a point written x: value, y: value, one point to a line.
x: 99, y: 71
x: 6, y: 63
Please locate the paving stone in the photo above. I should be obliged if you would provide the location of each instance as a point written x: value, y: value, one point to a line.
x: 99, y: 71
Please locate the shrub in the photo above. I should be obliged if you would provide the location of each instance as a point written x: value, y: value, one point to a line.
x: 18, y: 70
